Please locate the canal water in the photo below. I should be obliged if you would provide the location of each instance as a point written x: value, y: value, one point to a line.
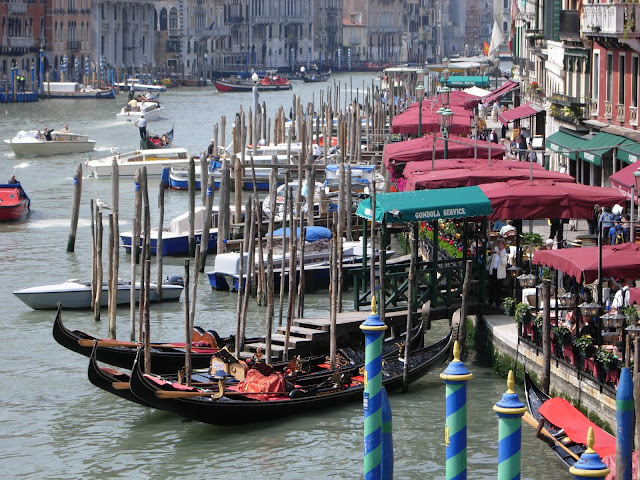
x: 54, y: 424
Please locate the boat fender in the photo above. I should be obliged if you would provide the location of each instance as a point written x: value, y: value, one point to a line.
x: 297, y: 393
x: 175, y: 280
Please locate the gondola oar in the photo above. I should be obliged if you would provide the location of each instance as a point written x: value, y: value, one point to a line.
x: 86, y: 342
x: 178, y: 394
x: 535, y: 424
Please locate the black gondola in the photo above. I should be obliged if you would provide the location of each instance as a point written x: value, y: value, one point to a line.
x: 152, y: 141
x: 316, y: 77
x: 235, y: 408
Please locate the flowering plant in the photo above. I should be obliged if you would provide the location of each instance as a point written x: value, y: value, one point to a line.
x: 534, y: 86
x: 583, y: 342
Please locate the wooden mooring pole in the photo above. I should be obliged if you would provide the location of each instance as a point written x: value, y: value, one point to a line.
x: 75, y: 212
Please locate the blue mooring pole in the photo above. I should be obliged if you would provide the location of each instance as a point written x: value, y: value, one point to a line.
x: 373, y: 329
x: 590, y: 466
x: 455, y: 377
x: 509, y: 410
x: 624, y: 425
x: 387, y: 438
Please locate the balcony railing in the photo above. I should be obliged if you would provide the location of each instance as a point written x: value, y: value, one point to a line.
x: 633, y: 116
x: 618, y: 19
x: 620, y: 113
x: 17, y: 8
x: 20, y: 42
x: 73, y: 45
x: 567, y: 101
x: 594, y: 107
x: 608, y: 110
x: 569, y: 23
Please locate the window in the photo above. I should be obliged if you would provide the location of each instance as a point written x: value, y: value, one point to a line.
x: 634, y: 81
x: 595, y: 87
x: 609, y: 77
x: 621, y: 75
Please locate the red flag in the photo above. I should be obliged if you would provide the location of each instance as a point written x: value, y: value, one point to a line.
x: 485, y: 48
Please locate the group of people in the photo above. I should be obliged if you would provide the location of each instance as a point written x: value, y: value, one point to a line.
x: 46, y: 133
x: 616, y: 228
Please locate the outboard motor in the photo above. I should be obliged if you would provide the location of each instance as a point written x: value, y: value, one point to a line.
x: 175, y: 280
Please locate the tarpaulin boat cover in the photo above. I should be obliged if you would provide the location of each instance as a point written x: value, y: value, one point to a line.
x: 313, y: 234
x: 562, y: 414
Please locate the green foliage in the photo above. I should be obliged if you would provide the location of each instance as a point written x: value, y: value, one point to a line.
x: 509, y: 304
x: 605, y: 357
x: 631, y: 313
x: 583, y: 342
x: 520, y: 312
x: 560, y: 331
x: 537, y: 322
x: 534, y: 239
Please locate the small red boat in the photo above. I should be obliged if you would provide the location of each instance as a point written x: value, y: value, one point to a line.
x: 14, y: 202
x: 266, y: 83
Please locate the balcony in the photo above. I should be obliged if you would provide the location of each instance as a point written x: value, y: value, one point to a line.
x: 611, y: 19
x: 608, y: 110
x: 633, y: 116
x: 263, y: 19
x: 73, y: 45
x: 569, y: 23
x: 175, y: 32
x: 385, y: 29
x: 20, y: 42
x: 354, y: 41
x: 620, y: 113
x: 72, y: 11
x: 594, y: 107
x: 236, y: 20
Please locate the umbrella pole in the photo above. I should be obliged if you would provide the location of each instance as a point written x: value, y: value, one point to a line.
x: 599, y: 262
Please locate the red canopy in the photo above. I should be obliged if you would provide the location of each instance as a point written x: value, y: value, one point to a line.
x: 428, y: 165
x: 526, y: 110
x: 624, y: 180
x: 553, y: 199
x: 466, y: 177
x: 407, y: 121
x: 503, y: 89
x: 618, y: 261
x: 634, y: 296
x: 422, y: 148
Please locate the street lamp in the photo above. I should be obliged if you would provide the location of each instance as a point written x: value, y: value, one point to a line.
x: 443, y: 95
x: 445, y: 119
x: 420, y: 95
x: 636, y: 184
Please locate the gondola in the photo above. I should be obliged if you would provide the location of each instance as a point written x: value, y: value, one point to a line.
x: 165, y: 358
x: 568, y: 441
x: 316, y: 77
x: 233, y: 408
x: 152, y: 141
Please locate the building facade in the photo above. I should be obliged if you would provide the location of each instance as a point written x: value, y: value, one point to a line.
x: 22, y: 35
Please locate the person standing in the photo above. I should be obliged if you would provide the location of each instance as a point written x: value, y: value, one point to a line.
x: 13, y: 181
x: 522, y: 148
x: 556, y: 230
x: 211, y: 149
x: 141, y: 123
x: 497, y: 266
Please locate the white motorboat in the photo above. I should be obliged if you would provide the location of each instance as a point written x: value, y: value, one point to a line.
x: 132, y: 111
x: 280, y: 193
x: 33, y: 142
x: 76, y: 294
x: 130, y: 162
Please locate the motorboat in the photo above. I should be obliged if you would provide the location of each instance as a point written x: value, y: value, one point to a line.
x: 14, y: 202
x: 175, y: 238
x: 280, y: 193
x: 130, y: 162
x: 75, y: 90
x: 266, y: 83
x: 226, y: 271
x: 177, y: 178
x: 135, y: 85
x: 76, y: 294
x: 362, y: 176
x: 33, y: 142
x: 132, y: 111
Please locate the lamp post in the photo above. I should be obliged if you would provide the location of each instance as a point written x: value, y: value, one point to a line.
x: 420, y: 95
x: 445, y: 117
x: 206, y: 67
x: 636, y: 184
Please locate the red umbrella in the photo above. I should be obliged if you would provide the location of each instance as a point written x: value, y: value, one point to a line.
x: 422, y: 149
x: 466, y: 177
x: 407, y: 121
x: 428, y: 165
x: 618, y: 261
x: 547, y: 199
x: 624, y: 180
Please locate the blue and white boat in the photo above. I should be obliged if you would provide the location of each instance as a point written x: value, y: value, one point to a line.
x: 361, y: 176
x: 226, y: 272
x: 175, y: 239
x: 177, y: 178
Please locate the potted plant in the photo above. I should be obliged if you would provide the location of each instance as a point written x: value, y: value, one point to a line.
x: 584, y: 344
x: 509, y: 304
x: 562, y: 335
x: 631, y: 313
x: 606, y: 358
x: 537, y: 329
x: 521, y: 313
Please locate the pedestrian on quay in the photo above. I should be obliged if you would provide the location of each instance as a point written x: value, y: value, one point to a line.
x: 497, y: 266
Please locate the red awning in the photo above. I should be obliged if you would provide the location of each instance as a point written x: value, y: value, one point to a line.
x: 422, y: 149
x: 428, y: 165
x: 634, y: 296
x: 480, y: 175
x: 526, y: 110
x: 553, y: 199
x: 618, y: 261
x: 623, y: 180
x: 503, y: 89
x: 407, y: 121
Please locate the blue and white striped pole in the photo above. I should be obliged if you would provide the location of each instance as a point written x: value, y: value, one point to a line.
x: 624, y: 425
x: 590, y: 465
x: 339, y: 59
x: 349, y: 57
x: 509, y: 410
x: 387, y: 437
x: 373, y: 329
x: 455, y: 377
x: 41, y: 73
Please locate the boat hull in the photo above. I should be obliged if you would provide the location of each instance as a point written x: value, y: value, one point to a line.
x: 224, y: 86
x: 43, y: 147
x: 106, y: 94
x: 149, y: 115
x: 78, y: 295
x: 173, y: 244
x: 14, y: 212
x: 14, y: 202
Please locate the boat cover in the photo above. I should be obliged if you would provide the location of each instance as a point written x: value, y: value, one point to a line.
x: 562, y: 414
x: 313, y: 234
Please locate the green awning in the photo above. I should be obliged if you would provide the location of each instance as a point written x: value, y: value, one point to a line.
x: 629, y: 152
x: 599, y: 145
x: 425, y: 205
x: 463, y: 81
x: 564, y: 143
